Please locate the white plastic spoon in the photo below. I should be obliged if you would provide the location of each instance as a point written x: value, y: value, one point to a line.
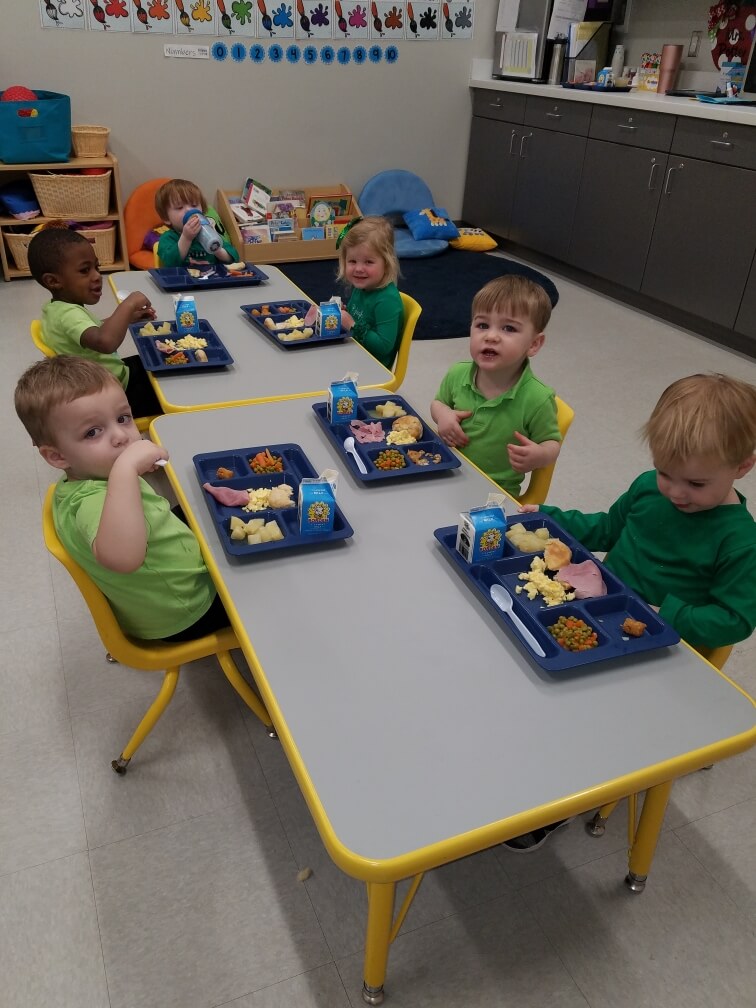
x: 503, y: 600
x: 350, y: 447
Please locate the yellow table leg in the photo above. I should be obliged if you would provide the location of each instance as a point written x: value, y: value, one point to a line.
x: 646, y: 836
x: 377, y: 939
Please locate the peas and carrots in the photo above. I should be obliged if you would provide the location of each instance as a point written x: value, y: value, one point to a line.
x: 573, y: 634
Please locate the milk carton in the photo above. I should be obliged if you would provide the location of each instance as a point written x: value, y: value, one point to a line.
x: 328, y: 319
x: 317, y: 503
x: 480, y: 533
x: 342, y: 400
x: 186, y: 314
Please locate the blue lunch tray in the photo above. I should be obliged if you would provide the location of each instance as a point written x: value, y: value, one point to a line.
x: 154, y: 359
x: 177, y: 278
x: 603, y: 614
x: 430, y: 442
x: 296, y: 466
x: 300, y: 308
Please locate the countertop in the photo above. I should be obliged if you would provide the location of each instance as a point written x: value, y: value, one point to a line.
x: 646, y: 100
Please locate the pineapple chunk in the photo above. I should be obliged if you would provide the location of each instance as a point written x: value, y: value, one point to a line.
x: 273, y: 531
x: 236, y: 523
x: 254, y: 540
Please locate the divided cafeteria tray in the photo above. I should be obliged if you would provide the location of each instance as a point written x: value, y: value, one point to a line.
x: 296, y: 466
x: 154, y: 359
x: 430, y: 442
x: 217, y: 277
x: 278, y: 335
x: 603, y: 614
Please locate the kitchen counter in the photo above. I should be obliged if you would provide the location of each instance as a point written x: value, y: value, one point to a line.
x: 646, y: 100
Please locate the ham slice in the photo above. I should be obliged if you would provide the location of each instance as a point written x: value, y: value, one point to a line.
x: 585, y: 578
x: 227, y: 495
x: 366, y: 432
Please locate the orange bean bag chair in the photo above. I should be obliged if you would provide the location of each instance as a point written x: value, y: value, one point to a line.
x: 139, y: 217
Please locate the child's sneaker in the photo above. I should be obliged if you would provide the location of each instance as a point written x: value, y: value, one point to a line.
x: 529, y: 842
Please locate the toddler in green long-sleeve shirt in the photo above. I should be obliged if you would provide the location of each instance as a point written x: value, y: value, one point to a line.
x: 681, y: 536
x: 367, y: 261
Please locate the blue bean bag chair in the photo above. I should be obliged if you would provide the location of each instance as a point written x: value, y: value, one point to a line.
x: 392, y: 193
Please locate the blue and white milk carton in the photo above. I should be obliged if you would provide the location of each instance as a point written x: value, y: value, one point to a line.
x: 342, y: 400
x: 480, y: 533
x: 187, y: 321
x: 328, y: 319
x: 317, y: 503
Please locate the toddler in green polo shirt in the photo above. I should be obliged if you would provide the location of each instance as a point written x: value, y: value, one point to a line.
x: 493, y: 408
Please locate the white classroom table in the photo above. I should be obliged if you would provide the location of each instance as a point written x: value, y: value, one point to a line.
x: 414, y: 723
x: 262, y: 370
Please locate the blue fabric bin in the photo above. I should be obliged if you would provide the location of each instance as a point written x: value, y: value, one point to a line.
x: 36, y: 132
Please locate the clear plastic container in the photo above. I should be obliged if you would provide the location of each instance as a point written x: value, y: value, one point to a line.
x: 208, y: 237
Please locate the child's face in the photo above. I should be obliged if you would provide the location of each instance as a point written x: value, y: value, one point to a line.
x: 78, y: 277
x: 90, y: 433
x: 700, y: 483
x: 363, y: 269
x: 176, y: 214
x: 501, y: 340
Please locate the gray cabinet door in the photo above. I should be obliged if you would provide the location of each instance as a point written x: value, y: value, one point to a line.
x: 704, y: 239
x: 746, y: 321
x: 491, y: 174
x: 548, y: 182
x: 616, y: 209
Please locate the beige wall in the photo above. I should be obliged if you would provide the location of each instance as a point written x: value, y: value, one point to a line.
x: 289, y: 125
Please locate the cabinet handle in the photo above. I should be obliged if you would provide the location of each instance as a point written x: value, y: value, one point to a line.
x: 511, y: 142
x: 494, y: 105
x: 527, y: 136
x: 668, y: 179
x: 726, y: 144
x: 625, y: 126
x: 553, y: 115
x: 651, y: 185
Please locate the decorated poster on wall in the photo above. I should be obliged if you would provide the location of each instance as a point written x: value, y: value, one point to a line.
x: 286, y: 21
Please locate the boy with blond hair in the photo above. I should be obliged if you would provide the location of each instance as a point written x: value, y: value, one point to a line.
x: 493, y: 408
x: 682, y: 536
x: 143, y: 558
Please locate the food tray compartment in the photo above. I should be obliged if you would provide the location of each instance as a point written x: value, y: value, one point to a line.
x: 369, y: 451
x: 603, y: 613
x: 178, y: 278
x: 278, y: 335
x: 154, y: 359
x: 296, y: 466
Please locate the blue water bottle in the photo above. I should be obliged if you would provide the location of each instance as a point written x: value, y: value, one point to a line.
x: 207, y: 236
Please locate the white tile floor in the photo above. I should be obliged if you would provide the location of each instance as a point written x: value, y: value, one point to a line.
x: 177, y: 886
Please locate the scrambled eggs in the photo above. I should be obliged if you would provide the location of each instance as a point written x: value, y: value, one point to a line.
x: 537, y: 582
x: 400, y: 437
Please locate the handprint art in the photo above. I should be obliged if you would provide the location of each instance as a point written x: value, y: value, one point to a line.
x: 319, y: 16
x: 358, y: 17
x: 393, y: 19
x: 201, y: 11
x: 428, y: 20
x: 282, y: 16
x: 463, y: 18
x: 116, y: 8
x: 242, y: 10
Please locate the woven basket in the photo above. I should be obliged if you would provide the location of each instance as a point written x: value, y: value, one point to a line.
x: 72, y: 196
x: 90, y: 141
x: 19, y: 248
x: 104, y: 241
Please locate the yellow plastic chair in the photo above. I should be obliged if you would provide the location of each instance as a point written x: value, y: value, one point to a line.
x: 142, y: 423
x: 412, y: 311
x: 596, y: 826
x: 540, y: 479
x: 148, y: 655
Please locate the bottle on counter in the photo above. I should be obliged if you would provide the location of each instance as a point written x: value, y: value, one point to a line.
x: 207, y: 236
x: 618, y: 62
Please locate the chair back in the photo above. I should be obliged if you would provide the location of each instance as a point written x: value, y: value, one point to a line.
x: 139, y: 217
x: 717, y: 656
x: 38, y: 339
x: 412, y: 311
x: 394, y: 191
x: 540, y: 479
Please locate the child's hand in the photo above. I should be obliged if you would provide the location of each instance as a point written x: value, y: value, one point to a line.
x: 191, y: 228
x: 347, y: 322
x: 139, y: 307
x: 527, y: 455
x: 450, y: 429
x: 140, y: 457
x: 528, y: 508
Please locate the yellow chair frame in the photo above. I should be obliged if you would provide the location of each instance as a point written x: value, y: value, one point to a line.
x: 412, y: 312
x: 540, y: 479
x: 596, y: 825
x: 148, y: 655
x: 142, y: 423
